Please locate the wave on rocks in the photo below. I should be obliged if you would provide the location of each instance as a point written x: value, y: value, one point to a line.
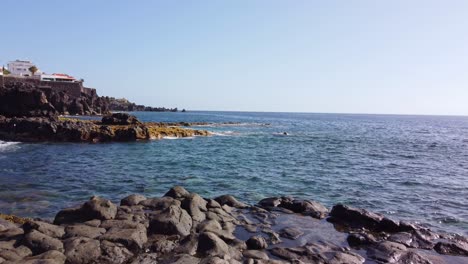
x: 7, y: 145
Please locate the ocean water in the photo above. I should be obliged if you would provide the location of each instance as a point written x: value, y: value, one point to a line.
x: 407, y: 167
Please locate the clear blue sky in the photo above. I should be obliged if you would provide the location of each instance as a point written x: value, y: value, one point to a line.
x: 399, y: 57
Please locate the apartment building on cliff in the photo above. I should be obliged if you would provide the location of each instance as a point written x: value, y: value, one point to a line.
x: 21, y: 68
x: 19, y: 71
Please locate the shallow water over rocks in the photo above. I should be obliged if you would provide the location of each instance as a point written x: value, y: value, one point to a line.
x: 408, y: 167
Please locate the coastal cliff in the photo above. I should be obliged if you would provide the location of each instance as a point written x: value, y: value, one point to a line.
x: 182, y: 227
x: 20, y: 99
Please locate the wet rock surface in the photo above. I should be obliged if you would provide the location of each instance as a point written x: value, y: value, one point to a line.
x: 183, y: 227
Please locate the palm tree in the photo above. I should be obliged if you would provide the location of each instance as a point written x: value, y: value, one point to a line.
x: 5, y: 71
x: 33, y: 69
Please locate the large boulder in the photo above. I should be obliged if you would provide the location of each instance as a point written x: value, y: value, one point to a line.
x: 40, y: 243
x: 358, y: 218
x: 210, y: 244
x: 132, y: 238
x: 177, y: 192
x: 195, y: 205
x: 172, y: 221
x: 230, y: 201
x: 81, y: 250
x: 45, y: 228
x: 133, y: 199
x: 256, y: 242
x: 95, y: 208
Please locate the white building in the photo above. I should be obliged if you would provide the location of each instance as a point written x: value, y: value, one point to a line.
x: 21, y: 68
x: 57, y: 77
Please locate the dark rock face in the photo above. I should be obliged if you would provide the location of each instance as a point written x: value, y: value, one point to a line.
x: 24, y: 99
x: 309, y: 208
x: 354, y: 217
x: 183, y: 227
x: 120, y: 119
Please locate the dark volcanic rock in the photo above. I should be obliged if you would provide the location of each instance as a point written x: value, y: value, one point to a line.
x: 210, y: 244
x: 133, y: 199
x: 25, y: 100
x: 132, y: 238
x: 304, y: 207
x: 172, y: 221
x: 95, y: 208
x: 256, y: 242
x: 456, y: 248
x: 230, y: 200
x: 40, y: 243
x: 120, y: 119
x: 183, y: 227
x: 319, y: 252
x: 358, y: 240
x: 82, y: 230
x: 387, y: 252
x: 45, y: 228
x: 80, y: 250
x: 177, y: 192
x: 358, y: 218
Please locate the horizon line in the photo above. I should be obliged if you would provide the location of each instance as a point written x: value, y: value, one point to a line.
x: 327, y: 113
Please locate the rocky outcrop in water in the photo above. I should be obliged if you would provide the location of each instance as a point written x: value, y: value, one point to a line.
x: 183, y: 227
x: 116, y: 127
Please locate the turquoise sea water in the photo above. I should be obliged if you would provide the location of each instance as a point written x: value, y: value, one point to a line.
x: 408, y: 167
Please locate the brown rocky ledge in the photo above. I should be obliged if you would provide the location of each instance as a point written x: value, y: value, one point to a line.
x: 183, y: 227
x: 115, y: 127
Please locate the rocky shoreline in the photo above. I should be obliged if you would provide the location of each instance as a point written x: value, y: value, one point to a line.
x: 118, y: 127
x: 183, y: 227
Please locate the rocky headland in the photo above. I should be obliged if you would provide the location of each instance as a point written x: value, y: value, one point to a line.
x: 183, y: 227
x: 20, y: 99
x: 125, y: 105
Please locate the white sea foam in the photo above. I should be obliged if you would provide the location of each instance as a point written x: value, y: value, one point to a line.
x: 7, y: 145
x: 224, y: 133
x: 169, y: 137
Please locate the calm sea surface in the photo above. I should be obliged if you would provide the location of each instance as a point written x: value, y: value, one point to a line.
x: 408, y: 167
